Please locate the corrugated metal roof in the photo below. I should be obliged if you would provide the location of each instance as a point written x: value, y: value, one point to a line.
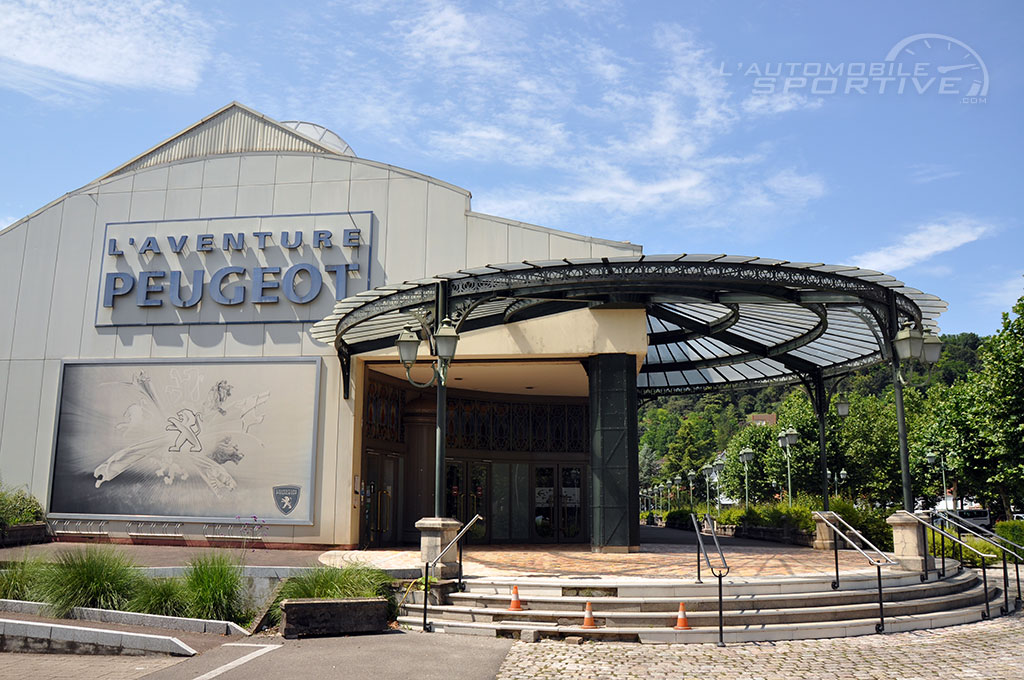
x: 233, y: 129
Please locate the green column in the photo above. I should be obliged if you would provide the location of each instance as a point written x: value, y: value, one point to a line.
x: 614, y: 467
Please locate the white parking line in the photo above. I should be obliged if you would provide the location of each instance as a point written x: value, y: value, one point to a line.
x: 263, y: 649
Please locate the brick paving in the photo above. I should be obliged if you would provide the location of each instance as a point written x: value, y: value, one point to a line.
x: 63, y: 666
x: 993, y: 650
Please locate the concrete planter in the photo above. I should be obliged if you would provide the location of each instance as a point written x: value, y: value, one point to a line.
x: 309, y: 617
x: 779, y: 535
x: 24, y: 534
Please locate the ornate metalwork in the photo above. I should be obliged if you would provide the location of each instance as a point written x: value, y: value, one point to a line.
x: 382, y: 414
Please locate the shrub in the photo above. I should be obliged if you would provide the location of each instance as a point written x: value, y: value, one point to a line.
x: 214, y: 589
x: 1012, y: 530
x: 164, y: 596
x: 20, y: 580
x: 94, y: 577
x: 354, y: 580
x: 17, y: 506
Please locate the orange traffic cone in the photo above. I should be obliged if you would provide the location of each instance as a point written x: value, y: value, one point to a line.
x: 588, y: 617
x: 681, y: 622
x: 514, y: 605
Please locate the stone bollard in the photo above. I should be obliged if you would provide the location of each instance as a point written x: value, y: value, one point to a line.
x: 435, y: 534
x: 823, y: 538
x: 909, y: 547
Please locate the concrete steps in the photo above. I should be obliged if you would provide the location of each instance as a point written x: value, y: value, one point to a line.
x: 762, y: 610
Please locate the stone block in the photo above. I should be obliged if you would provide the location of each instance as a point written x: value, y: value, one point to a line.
x: 529, y: 635
x: 435, y: 534
x: 311, y: 617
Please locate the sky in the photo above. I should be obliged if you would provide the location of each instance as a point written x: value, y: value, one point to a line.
x: 883, y: 135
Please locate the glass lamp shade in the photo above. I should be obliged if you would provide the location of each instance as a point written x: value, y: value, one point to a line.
x: 792, y: 436
x: 930, y: 457
x: 707, y: 470
x: 908, y: 343
x: 746, y: 455
x: 932, y: 348
x: 445, y: 340
x: 678, y: 480
x: 842, y: 407
x: 691, y: 475
x: 782, y: 439
x: 719, y: 466
x: 408, y: 344
x: 842, y: 474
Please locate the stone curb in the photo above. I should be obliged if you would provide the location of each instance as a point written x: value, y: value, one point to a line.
x: 130, y: 618
x: 28, y: 636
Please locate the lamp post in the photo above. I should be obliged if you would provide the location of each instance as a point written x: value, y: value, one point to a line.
x: 931, y: 457
x: 443, y: 341
x: 910, y: 342
x: 691, y: 475
x: 842, y: 479
x: 746, y: 455
x: 719, y: 466
x: 787, y: 438
x: 707, y: 470
x: 679, y: 491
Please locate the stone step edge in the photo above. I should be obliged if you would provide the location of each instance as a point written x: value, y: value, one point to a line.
x: 965, y: 580
x: 561, y: 613
x: 597, y: 582
x: 760, y: 633
x: 129, y: 618
x: 71, y: 638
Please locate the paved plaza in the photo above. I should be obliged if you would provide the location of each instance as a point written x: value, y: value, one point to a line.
x: 993, y: 650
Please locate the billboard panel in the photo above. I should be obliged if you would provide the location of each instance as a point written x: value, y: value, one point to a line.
x: 187, y: 440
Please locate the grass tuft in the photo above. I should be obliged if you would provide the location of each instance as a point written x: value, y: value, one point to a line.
x: 20, y: 580
x: 214, y: 588
x: 355, y: 580
x: 94, y: 577
x: 164, y: 596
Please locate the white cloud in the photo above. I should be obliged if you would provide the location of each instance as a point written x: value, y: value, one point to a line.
x: 1005, y: 293
x: 793, y: 187
x: 65, y: 47
x: 923, y: 173
x: 923, y: 243
x: 779, y: 102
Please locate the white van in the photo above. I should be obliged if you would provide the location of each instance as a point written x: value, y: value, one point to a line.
x: 977, y: 516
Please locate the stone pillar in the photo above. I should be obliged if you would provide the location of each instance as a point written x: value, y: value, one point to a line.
x: 909, y: 547
x: 614, y: 467
x: 435, y: 534
x: 823, y: 538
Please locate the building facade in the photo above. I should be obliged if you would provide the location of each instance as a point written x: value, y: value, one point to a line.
x: 160, y: 380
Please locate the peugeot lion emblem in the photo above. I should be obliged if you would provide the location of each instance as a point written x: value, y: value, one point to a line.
x: 286, y: 498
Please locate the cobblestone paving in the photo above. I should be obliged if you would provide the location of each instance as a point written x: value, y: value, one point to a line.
x: 63, y: 666
x: 993, y: 650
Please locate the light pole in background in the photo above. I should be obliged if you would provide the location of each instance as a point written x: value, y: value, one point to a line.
x: 787, y: 438
x: 691, y: 475
x: 679, y: 491
x: 931, y: 458
x: 746, y: 455
x: 719, y: 466
x: 707, y: 470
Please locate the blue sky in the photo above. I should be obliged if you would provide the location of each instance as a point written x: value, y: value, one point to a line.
x: 703, y: 127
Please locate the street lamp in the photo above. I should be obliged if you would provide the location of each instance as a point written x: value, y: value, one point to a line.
x: 842, y: 406
x: 679, y: 491
x: 691, y: 475
x: 719, y: 466
x: 708, y: 471
x: 931, y: 457
x: 787, y: 438
x: 909, y: 343
x: 443, y: 340
x: 746, y: 455
x: 842, y: 478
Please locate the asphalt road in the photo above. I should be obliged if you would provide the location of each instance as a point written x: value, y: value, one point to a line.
x: 398, y: 654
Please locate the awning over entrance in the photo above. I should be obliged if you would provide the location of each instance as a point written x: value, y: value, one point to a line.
x: 713, y: 321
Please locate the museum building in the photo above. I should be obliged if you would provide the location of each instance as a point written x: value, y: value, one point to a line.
x: 203, y: 340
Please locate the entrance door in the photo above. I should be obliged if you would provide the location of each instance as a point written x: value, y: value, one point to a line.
x: 558, y: 503
x: 379, y: 493
x: 467, y: 493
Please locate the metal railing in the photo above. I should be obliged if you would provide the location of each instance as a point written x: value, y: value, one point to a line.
x: 720, y: 569
x: 991, y: 538
x: 430, y: 565
x: 882, y: 560
x: 987, y: 614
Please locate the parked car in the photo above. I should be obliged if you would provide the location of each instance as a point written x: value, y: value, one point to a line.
x: 978, y: 516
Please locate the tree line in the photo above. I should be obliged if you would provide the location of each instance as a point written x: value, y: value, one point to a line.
x: 967, y: 411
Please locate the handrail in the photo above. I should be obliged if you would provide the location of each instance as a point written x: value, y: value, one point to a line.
x: 984, y: 570
x: 885, y: 561
x: 430, y: 565
x: 876, y: 563
x: 720, y: 571
x: 970, y: 527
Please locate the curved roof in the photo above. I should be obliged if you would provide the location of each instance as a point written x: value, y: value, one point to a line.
x: 321, y: 135
x: 712, y: 320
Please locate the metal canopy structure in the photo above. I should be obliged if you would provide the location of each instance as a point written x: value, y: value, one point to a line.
x: 713, y: 321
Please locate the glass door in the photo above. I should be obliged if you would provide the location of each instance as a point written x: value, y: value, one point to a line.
x: 544, y: 527
x: 571, y: 508
x: 467, y: 492
x: 378, y: 495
